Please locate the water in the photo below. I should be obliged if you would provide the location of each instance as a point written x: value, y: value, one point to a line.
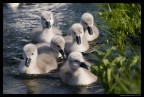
x: 17, y: 26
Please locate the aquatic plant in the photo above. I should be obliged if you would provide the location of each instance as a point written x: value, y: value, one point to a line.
x: 124, y: 23
x: 118, y: 73
x: 118, y: 59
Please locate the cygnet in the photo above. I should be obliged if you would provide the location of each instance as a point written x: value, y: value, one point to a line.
x: 45, y: 34
x: 35, y: 63
x: 75, y: 40
x: 91, y: 32
x: 75, y: 71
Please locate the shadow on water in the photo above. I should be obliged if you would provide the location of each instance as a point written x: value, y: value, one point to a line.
x: 17, y: 27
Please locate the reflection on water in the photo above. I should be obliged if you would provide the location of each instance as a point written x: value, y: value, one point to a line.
x: 17, y: 26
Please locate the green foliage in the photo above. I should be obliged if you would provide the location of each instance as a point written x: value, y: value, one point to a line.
x: 118, y: 59
x: 124, y: 23
x: 118, y: 74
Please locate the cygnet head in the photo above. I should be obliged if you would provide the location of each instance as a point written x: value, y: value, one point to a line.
x: 29, y: 54
x: 47, y: 19
x: 87, y: 20
x: 76, y: 61
x: 58, y: 44
x: 77, y: 32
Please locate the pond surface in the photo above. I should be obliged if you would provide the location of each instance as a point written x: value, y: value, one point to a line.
x: 17, y: 26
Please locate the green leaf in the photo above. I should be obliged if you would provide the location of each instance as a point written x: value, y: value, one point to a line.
x: 118, y: 59
x: 106, y: 62
x: 134, y: 60
x: 109, y: 70
x: 109, y: 51
x: 100, y: 52
x: 122, y: 60
x: 104, y: 75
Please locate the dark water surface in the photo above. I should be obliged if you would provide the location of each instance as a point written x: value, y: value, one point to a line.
x: 17, y: 27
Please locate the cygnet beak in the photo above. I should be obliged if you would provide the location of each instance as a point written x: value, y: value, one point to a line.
x: 48, y: 25
x: 82, y: 64
x: 78, y: 40
x: 62, y: 53
x: 27, y: 62
x: 90, y: 30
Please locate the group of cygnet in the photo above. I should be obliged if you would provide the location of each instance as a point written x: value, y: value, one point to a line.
x: 48, y: 44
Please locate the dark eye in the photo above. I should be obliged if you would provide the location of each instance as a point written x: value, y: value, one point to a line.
x: 85, y: 23
x: 32, y: 53
x: 81, y: 32
x: 74, y: 33
x: 58, y: 46
x: 76, y: 61
x: 50, y: 18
